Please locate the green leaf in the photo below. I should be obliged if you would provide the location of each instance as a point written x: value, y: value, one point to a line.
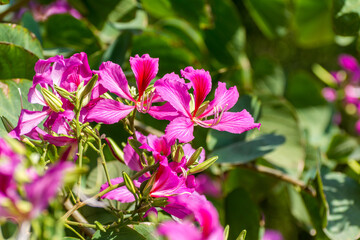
x: 241, y: 213
x: 313, y: 22
x: 123, y: 233
x: 147, y: 230
x: 347, y: 19
x: 138, y: 23
x: 279, y: 117
x: 66, y: 31
x: 343, y: 196
x: 341, y: 147
x: 269, y: 15
x: 10, y: 103
x: 3, y: 2
x: 243, y: 152
x: 16, y: 62
x: 21, y: 37
x: 242, y: 235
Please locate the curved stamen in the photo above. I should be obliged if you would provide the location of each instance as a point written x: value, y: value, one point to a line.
x: 218, y: 113
x: 145, y: 102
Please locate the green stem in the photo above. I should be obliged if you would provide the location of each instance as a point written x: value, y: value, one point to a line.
x: 103, y: 162
x: 82, y: 225
x: 78, y: 234
x: 80, y: 146
x: 108, y: 189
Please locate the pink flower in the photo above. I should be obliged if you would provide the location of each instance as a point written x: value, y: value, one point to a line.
x: 329, y: 94
x: 166, y: 183
x: 272, y: 235
x: 187, y: 207
x: 42, y: 12
x: 196, y: 112
x: 350, y: 64
x: 37, y: 193
x: 65, y: 73
x: 113, y: 79
x: 206, y: 185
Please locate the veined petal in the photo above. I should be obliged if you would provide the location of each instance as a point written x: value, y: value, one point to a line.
x: 112, y: 77
x: 181, y: 128
x: 28, y: 121
x: 201, y: 82
x: 163, y: 112
x: 120, y: 194
x: 108, y: 111
x: 176, y: 93
x: 132, y: 159
x: 224, y: 99
x: 145, y: 69
x: 236, y: 122
x: 34, y: 96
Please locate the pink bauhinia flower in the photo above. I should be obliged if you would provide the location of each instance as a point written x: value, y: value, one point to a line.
x: 43, y: 12
x: 187, y: 207
x: 166, y: 183
x: 212, y: 114
x: 36, y: 193
x: 55, y: 71
x: 112, y: 78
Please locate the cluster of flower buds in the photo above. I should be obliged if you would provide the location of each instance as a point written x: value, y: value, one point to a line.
x: 344, y: 89
x: 72, y: 95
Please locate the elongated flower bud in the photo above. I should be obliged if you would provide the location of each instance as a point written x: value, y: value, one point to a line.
x: 52, y: 100
x: 203, y: 166
x: 64, y: 93
x: 129, y: 183
x: 7, y: 124
x: 115, y: 149
x: 179, y: 154
x: 85, y: 92
x: 194, y: 157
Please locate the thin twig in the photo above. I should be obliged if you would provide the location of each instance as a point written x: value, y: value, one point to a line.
x: 279, y: 175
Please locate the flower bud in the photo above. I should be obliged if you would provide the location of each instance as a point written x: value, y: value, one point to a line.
x: 179, y: 154
x: 115, y: 149
x: 202, y: 108
x: 194, y: 157
x: 63, y: 92
x: 85, y: 92
x: 100, y: 226
x: 7, y: 124
x: 129, y: 183
x: 160, y: 202
x: 52, y: 100
x: 203, y: 166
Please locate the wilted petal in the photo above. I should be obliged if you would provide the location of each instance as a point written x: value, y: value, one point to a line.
x: 236, y: 122
x: 109, y: 111
x: 120, y: 194
x: 179, y: 231
x: 145, y: 69
x: 112, y: 77
x: 28, y: 121
x: 181, y: 128
x: 201, y: 82
x: 224, y: 99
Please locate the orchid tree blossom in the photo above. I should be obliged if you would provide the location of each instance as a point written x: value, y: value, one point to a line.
x: 197, y: 111
x: 112, y: 78
x: 187, y: 207
x: 57, y: 111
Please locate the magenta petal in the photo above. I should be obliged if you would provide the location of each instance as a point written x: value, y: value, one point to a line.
x: 38, y: 191
x: 168, y: 183
x: 201, y: 82
x: 109, y: 111
x: 145, y: 69
x: 176, y: 93
x: 179, y: 231
x: 112, y: 77
x: 189, y: 150
x: 120, y: 194
x: 349, y: 63
x: 34, y: 96
x: 132, y: 159
x: 224, y: 99
x: 181, y: 128
x: 164, y: 112
x: 28, y: 121
x: 236, y: 122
